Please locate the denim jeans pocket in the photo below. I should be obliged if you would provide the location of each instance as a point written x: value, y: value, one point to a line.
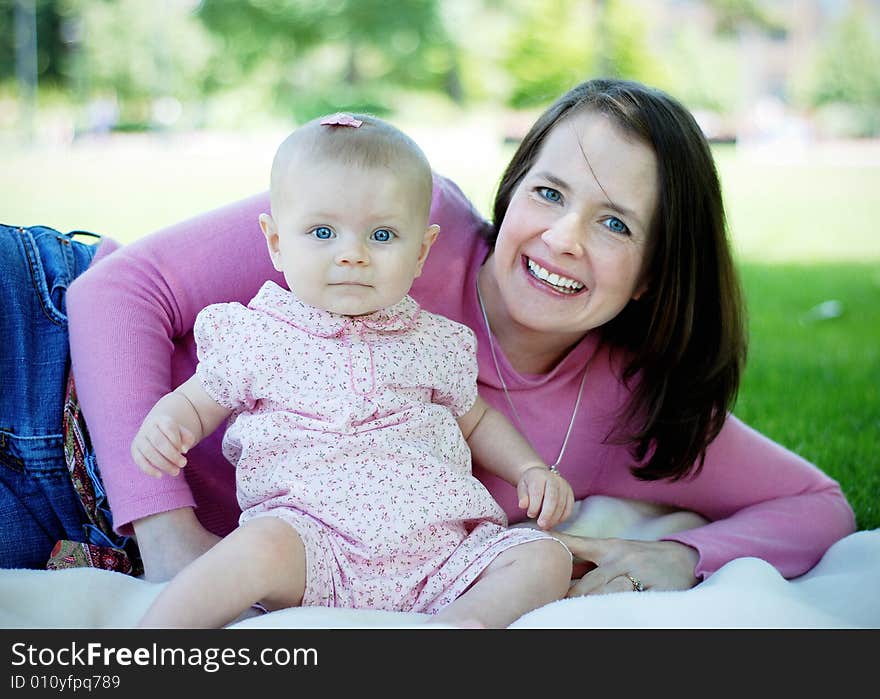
x: 36, y: 494
x: 54, y: 260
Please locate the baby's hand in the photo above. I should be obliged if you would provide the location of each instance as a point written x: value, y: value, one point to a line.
x: 545, y: 495
x: 160, y: 444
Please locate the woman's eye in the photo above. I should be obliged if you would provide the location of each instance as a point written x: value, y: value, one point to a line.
x: 382, y: 235
x: 550, y: 194
x: 615, y: 225
x: 322, y: 233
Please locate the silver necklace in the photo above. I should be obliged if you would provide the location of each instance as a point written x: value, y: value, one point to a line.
x: 554, y: 467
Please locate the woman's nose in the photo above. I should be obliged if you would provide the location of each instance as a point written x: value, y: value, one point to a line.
x: 566, y: 236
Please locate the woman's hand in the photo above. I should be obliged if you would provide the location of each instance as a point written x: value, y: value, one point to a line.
x: 546, y: 495
x: 658, y: 565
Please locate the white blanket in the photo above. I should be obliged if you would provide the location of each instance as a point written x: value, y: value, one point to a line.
x: 842, y: 591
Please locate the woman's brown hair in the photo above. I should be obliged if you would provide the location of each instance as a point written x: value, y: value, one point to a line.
x: 685, y: 335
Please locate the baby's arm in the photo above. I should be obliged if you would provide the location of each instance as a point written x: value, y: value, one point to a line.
x: 499, y: 448
x: 178, y: 421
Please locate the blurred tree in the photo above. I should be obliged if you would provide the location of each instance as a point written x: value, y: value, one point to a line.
x: 732, y: 16
x: 715, y: 72
x: 558, y: 43
x: 847, y: 71
x: 321, y: 54
x: 140, y: 52
x: 550, y: 49
x: 257, y: 32
x: 693, y: 62
x: 622, y: 43
x: 51, y: 48
x: 26, y: 65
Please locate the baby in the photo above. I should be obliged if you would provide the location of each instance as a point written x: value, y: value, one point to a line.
x: 353, y: 415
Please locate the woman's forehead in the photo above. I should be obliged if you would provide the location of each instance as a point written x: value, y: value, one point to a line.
x: 588, y: 150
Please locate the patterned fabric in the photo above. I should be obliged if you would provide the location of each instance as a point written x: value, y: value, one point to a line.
x: 76, y: 554
x: 345, y: 428
x: 103, y: 548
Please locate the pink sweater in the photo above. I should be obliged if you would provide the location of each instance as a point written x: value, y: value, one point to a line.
x: 131, y: 337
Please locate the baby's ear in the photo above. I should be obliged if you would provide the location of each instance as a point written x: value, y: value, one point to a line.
x: 270, y: 230
x: 431, y: 233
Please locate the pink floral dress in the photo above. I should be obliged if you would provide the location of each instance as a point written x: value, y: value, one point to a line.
x: 345, y: 428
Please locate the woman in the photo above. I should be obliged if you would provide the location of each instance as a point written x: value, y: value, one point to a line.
x: 610, y: 330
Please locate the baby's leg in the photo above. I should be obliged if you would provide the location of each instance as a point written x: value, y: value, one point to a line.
x: 263, y: 560
x: 520, y: 579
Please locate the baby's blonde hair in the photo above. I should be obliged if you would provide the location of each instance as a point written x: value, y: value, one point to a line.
x: 373, y: 144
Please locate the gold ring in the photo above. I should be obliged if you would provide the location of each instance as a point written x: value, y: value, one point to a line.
x: 635, y: 582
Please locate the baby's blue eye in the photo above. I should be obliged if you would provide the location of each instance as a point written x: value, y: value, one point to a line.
x: 382, y: 235
x: 322, y: 233
x: 550, y: 194
x: 616, y: 225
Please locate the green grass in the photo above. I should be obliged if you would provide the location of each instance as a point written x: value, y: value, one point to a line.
x: 814, y: 386
x: 803, y: 227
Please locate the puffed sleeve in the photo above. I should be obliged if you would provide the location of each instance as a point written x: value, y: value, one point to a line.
x: 457, y: 367
x: 223, y: 334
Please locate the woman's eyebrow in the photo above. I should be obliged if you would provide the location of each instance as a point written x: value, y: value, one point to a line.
x: 552, y: 179
x: 624, y: 212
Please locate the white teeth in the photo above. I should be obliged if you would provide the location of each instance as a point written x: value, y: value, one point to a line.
x: 562, y: 283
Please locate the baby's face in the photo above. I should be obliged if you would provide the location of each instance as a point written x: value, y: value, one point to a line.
x: 349, y: 240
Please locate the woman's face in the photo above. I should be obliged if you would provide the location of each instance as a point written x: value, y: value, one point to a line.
x: 570, y: 249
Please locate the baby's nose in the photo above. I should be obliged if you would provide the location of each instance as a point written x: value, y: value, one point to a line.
x: 353, y: 254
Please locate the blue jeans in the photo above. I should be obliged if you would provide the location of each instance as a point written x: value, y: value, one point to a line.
x: 38, y: 505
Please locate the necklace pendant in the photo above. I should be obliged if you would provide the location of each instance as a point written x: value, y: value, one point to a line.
x: 554, y: 468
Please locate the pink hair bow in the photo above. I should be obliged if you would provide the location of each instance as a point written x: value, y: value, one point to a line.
x: 341, y: 119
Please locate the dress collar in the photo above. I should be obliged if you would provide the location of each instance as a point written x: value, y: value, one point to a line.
x: 285, y: 306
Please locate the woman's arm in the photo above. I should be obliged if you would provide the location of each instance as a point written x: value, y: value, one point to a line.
x: 762, y: 501
x: 131, y: 319
x: 765, y: 501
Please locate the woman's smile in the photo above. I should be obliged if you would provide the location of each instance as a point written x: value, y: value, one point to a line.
x: 556, y: 282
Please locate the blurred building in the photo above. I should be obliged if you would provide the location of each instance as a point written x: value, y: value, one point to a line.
x: 776, y: 44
